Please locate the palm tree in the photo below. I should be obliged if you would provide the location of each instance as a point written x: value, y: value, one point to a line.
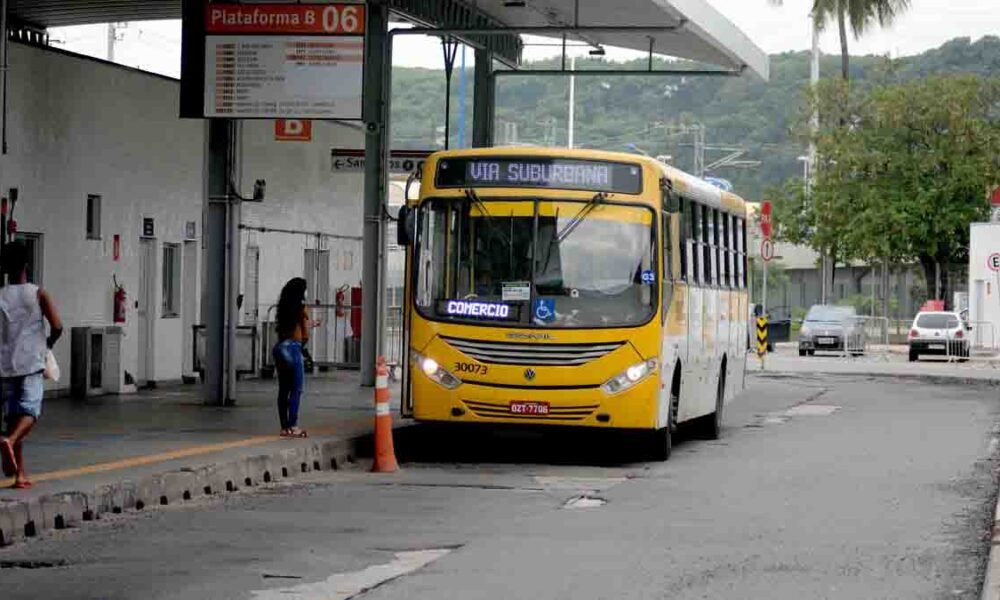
x: 859, y: 14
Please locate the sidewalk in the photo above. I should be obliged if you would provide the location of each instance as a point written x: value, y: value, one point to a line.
x: 892, y: 363
x: 110, y: 454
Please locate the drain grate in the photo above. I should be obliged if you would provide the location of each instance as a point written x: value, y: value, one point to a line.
x: 31, y: 564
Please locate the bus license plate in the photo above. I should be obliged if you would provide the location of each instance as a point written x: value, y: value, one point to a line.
x: 936, y: 346
x: 827, y: 340
x: 529, y: 408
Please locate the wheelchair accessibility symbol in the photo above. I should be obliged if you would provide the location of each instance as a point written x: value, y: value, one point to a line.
x: 544, y: 310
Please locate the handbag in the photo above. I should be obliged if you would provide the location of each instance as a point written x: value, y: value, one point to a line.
x: 51, y: 371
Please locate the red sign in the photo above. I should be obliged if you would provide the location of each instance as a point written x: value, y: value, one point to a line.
x: 293, y: 130
x: 301, y: 19
x: 995, y: 199
x: 993, y: 262
x: 765, y: 219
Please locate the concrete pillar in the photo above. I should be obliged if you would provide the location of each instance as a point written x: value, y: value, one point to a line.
x: 377, y: 62
x: 217, y: 209
x: 483, y: 100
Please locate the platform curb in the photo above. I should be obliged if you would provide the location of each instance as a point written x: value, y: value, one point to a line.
x: 991, y: 582
x: 21, y: 519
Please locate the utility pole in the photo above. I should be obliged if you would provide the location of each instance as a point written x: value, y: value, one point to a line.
x: 572, y: 102
x: 825, y: 267
x: 113, y: 38
x: 699, y: 151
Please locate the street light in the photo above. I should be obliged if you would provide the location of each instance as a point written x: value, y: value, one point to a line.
x: 805, y: 160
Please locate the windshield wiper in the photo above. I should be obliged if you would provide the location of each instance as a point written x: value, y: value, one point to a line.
x: 473, y: 197
x: 580, y: 216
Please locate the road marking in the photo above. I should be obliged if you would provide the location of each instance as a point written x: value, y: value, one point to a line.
x: 595, y: 484
x: 348, y: 585
x: 812, y: 410
x: 150, y: 459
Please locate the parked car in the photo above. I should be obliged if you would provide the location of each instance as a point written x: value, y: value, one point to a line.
x: 939, y: 333
x: 829, y: 328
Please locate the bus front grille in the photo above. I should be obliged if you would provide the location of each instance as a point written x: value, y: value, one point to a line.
x: 552, y: 355
x: 555, y: 413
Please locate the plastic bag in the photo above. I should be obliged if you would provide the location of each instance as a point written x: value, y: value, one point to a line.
x: 51, y: 367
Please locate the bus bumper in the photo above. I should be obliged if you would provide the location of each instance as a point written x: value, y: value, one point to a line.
x: 635, y: 408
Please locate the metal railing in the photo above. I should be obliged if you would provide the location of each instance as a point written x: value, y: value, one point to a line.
x: 246, y: 349
x: 866, y: 336
x: 333, y: 342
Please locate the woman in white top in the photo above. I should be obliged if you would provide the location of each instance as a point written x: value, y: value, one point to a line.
x: 24, y: 308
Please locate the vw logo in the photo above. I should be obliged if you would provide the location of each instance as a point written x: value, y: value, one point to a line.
x: 529, y: 374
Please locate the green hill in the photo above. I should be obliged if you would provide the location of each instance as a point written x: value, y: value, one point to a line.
x: 614, y: 111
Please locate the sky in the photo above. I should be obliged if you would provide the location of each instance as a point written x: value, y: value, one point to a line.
x: 155, y: 46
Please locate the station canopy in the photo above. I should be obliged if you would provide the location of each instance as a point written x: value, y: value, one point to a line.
x: 687, y: 29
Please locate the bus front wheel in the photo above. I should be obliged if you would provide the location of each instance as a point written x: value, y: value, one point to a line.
x: 659, y: 444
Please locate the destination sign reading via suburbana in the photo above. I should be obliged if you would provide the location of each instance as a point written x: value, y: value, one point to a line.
x: 540, y: 172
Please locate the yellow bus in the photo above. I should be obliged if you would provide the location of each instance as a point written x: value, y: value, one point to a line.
x: 573, y: 287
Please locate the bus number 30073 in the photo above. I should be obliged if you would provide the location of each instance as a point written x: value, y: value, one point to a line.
x: 473, y: 368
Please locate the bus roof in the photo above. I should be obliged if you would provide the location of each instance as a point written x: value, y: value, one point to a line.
x: 685, y: 184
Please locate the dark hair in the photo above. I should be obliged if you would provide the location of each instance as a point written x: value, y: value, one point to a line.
x: 293, y: 296
x: 15, y: 260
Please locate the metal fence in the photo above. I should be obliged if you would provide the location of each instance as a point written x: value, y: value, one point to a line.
x: 333, y: 341
x: 866, y: 336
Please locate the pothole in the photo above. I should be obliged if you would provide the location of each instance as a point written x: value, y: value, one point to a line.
x: 581, y: 502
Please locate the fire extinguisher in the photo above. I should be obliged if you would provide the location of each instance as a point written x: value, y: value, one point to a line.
x: 341, y: 299
x: 119, y: 302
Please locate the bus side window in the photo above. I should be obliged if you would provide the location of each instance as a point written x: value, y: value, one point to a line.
x: 706, y: 246
x: 684, y: 240
x: 725, y: 249
x: 697, y: 274
x: 667, y: 275
x: 742, y: 247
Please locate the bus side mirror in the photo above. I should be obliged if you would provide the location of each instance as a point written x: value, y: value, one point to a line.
x: 404, y: 226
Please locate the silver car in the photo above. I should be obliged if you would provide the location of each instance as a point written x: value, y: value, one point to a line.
x: 829, y: 328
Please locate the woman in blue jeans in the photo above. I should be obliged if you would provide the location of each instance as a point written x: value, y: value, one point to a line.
x: 293, y: 332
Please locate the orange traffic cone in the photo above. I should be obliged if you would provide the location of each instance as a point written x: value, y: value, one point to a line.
x: 385, y: 454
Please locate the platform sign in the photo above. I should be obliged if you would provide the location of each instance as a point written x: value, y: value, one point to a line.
x: 293, y: 130
x: 275, y: 61
x: 400, y: 161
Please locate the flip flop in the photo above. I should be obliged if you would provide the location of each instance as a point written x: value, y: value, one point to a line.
x: 22, y: 485
x: 297, y: 433
x: 7, y: 459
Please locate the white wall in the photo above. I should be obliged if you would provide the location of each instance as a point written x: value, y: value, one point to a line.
x: 303, y: 195
x: 984, y: 240
x: 80, y: 126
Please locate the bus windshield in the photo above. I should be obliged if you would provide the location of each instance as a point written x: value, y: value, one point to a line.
x: 536, y: 263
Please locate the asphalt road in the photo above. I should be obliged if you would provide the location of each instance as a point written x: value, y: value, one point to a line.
x: 821, y: 487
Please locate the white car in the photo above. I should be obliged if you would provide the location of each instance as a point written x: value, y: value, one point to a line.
x: 939, y: 334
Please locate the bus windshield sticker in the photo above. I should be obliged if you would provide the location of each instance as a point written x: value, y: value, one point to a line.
x: 540, y: 172
x: 474, y: 309
x: 544, y: 310
x: 648, y: 277
x: 516, y: 291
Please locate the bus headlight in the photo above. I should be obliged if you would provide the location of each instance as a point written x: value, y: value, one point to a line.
x: 433, y: 370
x: 630, y: 377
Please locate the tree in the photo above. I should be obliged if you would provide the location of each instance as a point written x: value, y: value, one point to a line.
x: 905, y: 175
x: 859, y: 15
x: 926, y: 152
